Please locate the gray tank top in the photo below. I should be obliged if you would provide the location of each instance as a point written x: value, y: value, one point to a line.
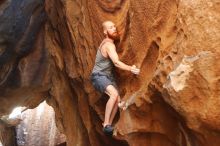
x: 102, y: 64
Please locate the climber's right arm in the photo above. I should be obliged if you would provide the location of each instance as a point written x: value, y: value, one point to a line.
x: 111, y: 51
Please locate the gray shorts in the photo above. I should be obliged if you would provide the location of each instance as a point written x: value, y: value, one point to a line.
x: 100, y: 81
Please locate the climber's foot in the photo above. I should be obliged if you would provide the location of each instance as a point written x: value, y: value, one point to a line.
x: 123, y: 105
x: 108, y: 130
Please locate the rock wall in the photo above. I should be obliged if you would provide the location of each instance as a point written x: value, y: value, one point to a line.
x: 24, y: 61
x: 173, y: 102
x: 38, y: 127
x: 7, y: 135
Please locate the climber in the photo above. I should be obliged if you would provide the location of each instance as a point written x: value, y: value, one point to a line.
x: 102, y: 77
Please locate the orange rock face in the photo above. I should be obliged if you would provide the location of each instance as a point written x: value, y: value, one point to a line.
x: 173, y: 102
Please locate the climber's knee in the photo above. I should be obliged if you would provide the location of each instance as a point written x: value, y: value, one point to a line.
x: 112, y: 92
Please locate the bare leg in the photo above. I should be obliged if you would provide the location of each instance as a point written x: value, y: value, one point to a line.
x: 113, y: 96
x: 114, y: 111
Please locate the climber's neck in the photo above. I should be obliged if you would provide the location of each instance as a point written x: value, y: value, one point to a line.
x: 109, y: 39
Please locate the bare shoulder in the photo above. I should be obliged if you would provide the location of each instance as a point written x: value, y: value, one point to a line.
x: 109, y: 46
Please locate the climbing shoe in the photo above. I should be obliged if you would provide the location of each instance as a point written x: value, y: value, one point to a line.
x: 108, y: 130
